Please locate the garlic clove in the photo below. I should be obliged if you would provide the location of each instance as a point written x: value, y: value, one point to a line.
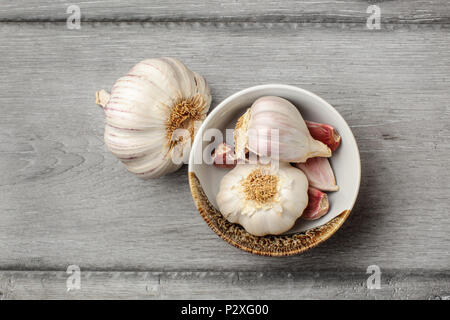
x: 274, y: 127
x: 170, y: 76
x: 201, y: 87
x: 319, y: 173
x: 146, y: 109
x: 318, y: 205
x: 137, y: 105
x: 324, y: 133
x: 263, y: 199
x: 141, y: 151
x: 223, y: 156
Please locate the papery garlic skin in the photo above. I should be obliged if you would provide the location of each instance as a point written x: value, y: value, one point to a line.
x: 294, y: 143
x: 274, y: 216
x: 144, y: 111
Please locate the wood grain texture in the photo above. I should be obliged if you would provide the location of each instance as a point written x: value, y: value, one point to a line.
x: 223, y: 285
x: 64, y: 199
x: 401, y: 11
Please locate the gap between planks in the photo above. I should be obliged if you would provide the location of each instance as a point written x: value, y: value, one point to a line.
x: 238, y: 285
x: 197, y: 24
x: 253, y: 19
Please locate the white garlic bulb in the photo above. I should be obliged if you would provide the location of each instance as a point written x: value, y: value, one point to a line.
x: 255, y: 131
x: 146, y: 110
x: 263, y: 199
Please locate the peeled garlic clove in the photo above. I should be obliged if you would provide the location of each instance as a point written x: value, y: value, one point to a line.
x: 152, y: 113
x: 319, y: 173
x: 324, y: 133
x: 263, y: 199
x: 223, y: 156
x: 274, y: 127
x: 318, y: 205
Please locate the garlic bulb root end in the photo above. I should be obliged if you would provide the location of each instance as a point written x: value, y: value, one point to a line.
x: 183, y: 115
x: 261, y: 199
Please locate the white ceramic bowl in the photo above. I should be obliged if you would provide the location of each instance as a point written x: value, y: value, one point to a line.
x: 205, y: 179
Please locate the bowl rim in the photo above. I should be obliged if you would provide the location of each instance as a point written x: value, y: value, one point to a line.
x: 326, y: 230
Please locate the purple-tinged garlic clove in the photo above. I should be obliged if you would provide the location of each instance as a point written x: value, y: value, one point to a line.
x: 223, y: 156
x: 319, y: 173
x: 318, y: 205
x: 324, y: 133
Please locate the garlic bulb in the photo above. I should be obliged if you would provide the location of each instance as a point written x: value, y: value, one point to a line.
x: 146, y: 111
x: 274, y: 127
x: 263, y: 199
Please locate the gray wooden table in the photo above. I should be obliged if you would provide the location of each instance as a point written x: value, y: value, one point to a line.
x: 65, y: 200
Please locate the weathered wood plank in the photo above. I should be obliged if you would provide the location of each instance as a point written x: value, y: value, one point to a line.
x: 411, y: 11
x: 222, y: 285
x: 64, y: 199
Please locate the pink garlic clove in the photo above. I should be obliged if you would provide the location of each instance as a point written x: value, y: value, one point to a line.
x: 324, y: 133
x: 223, y: 156
x: 319, y: 173
x: 318, y: 205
